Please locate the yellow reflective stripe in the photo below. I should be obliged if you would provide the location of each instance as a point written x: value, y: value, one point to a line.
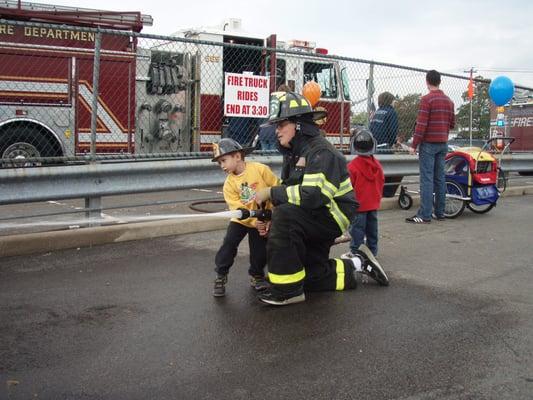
x: 304, y: 102
x: 286, y: 279
x: 338, y: 216
x: 344, y: 187
x: 340, y: 274
x: 293, y: 104
x: 330, y: 188
x: 293, y: 194
x: 319, y: 180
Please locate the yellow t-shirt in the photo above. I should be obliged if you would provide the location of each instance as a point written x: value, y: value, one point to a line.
x: 239, y: 190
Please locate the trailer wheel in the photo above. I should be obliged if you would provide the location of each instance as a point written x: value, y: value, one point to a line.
x: 481, y: 209
x: 454, y: 205
x: 405, y: 201
x: 22, y: 142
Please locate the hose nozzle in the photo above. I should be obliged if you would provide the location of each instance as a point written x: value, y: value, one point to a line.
x: 261, y: 215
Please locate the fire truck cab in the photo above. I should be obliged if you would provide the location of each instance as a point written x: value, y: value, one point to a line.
x: 281, y: 67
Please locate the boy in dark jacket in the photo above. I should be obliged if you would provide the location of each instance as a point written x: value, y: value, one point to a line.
x: 366, y: 175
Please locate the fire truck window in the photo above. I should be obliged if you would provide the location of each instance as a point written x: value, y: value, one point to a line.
x: 324, y: 75
x: 280, y: 72
x: 345, y: 84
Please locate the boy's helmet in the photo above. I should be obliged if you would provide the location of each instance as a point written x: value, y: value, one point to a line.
x: 290, y: 105
x: 227, y: 146
x: 364, y: 143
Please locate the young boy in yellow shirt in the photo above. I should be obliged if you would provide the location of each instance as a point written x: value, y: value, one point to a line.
x: 244, y: 179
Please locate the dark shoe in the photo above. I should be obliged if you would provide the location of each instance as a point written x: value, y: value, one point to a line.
x: 220, y: 289
x: 371, y: 266
x: 417, y: 220
x: 259, y: 283
x: 277, y: 299
x: 438, y: 218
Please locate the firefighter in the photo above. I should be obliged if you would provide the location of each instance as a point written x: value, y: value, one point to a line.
x: 314, y: 204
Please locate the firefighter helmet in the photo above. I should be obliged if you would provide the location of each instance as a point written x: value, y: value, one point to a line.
x: 290, y: 105
x: 227, y: 146
x: 364, y: 143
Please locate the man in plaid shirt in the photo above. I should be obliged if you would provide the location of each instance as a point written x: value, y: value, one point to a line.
x: 435, y: 118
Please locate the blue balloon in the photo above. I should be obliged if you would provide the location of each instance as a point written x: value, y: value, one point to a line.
x: 501, y: 90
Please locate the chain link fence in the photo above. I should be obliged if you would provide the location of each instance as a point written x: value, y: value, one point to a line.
x: 78, y: 94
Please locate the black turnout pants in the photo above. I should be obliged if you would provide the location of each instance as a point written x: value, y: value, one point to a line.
x: 227, y: 252
x: 301, y: 239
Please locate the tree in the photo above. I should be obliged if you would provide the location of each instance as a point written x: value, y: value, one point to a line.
x: 407, y: 110
x: 480, y: 111
x: 360, y: 118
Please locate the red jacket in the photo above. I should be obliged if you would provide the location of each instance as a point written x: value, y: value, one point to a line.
x: 367, y: 179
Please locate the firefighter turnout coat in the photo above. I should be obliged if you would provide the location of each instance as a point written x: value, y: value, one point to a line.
x: 314, y: 205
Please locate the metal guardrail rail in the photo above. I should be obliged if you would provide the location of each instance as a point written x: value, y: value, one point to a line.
x: 94, y: 181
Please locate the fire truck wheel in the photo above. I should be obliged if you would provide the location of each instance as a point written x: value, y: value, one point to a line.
x: 25, y: 142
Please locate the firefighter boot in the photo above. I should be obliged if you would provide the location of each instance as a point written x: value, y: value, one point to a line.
x: 370, y: 266
x: 219, y: 289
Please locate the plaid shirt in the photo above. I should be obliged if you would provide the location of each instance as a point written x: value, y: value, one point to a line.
x: 436, y: 117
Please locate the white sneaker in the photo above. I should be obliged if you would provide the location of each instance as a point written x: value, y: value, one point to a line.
x: 348, y: 256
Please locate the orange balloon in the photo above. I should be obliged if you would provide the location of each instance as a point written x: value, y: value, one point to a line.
x: 311, y: 91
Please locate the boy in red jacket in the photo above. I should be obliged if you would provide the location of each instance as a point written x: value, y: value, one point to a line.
x: 367, y: 179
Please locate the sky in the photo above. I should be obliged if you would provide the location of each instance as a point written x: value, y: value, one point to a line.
x: 495, y: 37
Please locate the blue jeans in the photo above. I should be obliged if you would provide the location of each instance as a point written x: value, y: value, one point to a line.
x: 432, y: 179
x: 365, y: 224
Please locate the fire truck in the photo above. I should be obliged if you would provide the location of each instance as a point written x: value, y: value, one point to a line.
x: 514, y: 120
x: 154, y: 96
x: 293, y: 63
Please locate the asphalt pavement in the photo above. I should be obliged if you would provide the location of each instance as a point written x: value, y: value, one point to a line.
x: 136, y: 320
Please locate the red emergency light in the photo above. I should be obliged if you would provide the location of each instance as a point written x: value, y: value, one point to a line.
x: 320, y: 50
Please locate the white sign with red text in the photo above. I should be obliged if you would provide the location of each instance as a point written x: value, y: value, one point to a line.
x: 246, y: 95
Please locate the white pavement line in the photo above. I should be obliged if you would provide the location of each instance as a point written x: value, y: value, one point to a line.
x: 102, y: 215
x: 202, y: 190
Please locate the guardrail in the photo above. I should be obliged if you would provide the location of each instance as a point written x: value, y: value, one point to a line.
x: 94, y: 181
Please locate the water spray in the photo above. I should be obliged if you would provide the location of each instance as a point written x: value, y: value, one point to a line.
x: 117, y: 220
x: 240, y: 214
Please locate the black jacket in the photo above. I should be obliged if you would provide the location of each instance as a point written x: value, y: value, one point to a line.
x: 314, y: 177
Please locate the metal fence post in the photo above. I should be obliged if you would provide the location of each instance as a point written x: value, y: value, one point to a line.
x: 94, y: 204
x: 96, y: 79
x: 370, y: 92
x: 196, y: 128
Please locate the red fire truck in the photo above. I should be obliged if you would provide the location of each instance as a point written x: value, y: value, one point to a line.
x: 282, y: 66
x: 154, y: 96
x: 515, y: 120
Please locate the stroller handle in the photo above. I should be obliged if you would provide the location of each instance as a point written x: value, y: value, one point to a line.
x: 505, y: 139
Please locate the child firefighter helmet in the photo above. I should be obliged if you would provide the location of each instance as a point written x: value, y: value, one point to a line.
x: 290, y: 105
x: 227, y: 146
x: 364, y: 143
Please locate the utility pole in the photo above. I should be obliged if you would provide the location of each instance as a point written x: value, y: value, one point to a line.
x: 471, y: 82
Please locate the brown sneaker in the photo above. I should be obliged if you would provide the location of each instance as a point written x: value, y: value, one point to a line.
x: 219, y: 290
x: 259, y: 283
